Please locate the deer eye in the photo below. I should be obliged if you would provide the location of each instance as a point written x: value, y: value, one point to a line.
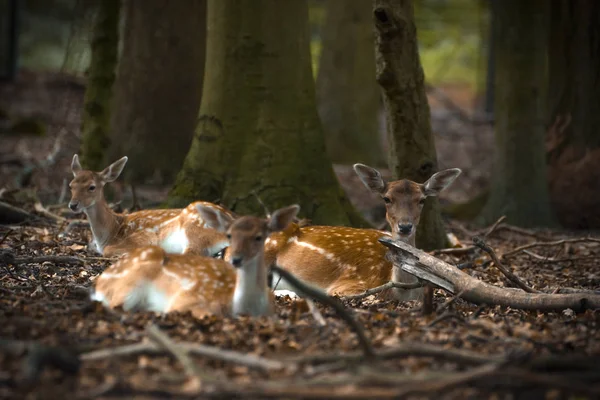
x: 387, y: 200
x: 92, y: 188
x: 258, y: 238
x: 229, y: 236
x: 422, y: 201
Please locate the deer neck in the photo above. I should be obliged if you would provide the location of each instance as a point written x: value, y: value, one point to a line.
x: 251, y: 294
x: 104, y: 223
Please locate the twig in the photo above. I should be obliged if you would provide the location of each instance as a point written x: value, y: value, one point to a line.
x: 448, y: 303
x: 302, y: 288
x: 63, y: 192
x: 457, y: 251
x: 445, y: 316
x: 135, y: 205
x: 315, y: 312
x: 549, y: 244
x: 262, y: 204
x: 385, y: 286
x: 179, y: 353
x: 493, y: 227
x: 215, y: 353
x: 515, y: 279
x: 6, y: 236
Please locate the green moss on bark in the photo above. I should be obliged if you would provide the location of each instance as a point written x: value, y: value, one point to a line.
x: 98, y: 93
x: 258, y: 130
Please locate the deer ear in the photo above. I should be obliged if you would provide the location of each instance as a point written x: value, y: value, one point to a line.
x: 370, y: 177
x: 440, y: 181
x: 112, y: 172
x: 214, y: 218
x: 281, y: 218
x: 75, y: 165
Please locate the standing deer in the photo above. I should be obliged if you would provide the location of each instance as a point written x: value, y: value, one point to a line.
x: 346, y: 261
x: 175, y: 230
x: 149, y: 279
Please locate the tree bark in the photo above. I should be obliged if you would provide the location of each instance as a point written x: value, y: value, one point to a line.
x: 258, y: 129
x: 574, y: 94
x: 450, y: 278
x: 98, y: 92
x: 519, y: 187
x: 348, y: 96
x: 158, y: 87
x: 400, y: 75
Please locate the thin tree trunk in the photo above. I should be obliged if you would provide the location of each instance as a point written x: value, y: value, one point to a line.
x: 574, y: 95
x: 259, y: 131
x: 347, y: 93
x: 98, y: 93
x: 400, y: 75
x: 158, y: 87
x: 519, y: 185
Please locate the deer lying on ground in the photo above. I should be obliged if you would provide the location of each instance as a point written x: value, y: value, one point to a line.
x: 149, y: 279
x: 175, y: 230
x: 347, y: 261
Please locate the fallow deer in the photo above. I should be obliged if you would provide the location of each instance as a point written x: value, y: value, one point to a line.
x: 346, y: 261
x: 149, y: 279
x: 175, y: 230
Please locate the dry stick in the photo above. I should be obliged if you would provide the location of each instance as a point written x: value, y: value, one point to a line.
x: 161, y: 339
x: 549, y: 244
x: 247, y: 360
x: 42, y: 210
x: 515, y: 279
x: 369, y: 352
x: 381, y: 288
x: 315, y: 312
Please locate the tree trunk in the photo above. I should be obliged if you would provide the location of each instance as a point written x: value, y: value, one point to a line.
x: 519, y: 187
x: 574, y: 95
x: 400, y: 74
x: 347, y: 94
x: 98, y: 92
x: 158, y: 88
x: 258, y: 129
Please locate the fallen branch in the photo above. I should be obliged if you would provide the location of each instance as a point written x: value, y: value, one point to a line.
x: 312, y: 307
x: 515, y: 279
x: 247, y: 360
x: 550, y: 244
x: 309, y: 291
x: 385, y: 286
x: 194, y: 374
x: 453, y: 280
x: 48, y: 214
x: 494, y: 227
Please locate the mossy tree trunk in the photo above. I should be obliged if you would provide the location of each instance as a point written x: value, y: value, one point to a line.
x: 400, y: 74
x: 574, y: 92
x: 158, y: 87
x: 519, y: 186
x: 258, y: 129
x: 100, y: 79
x: 347, y: 93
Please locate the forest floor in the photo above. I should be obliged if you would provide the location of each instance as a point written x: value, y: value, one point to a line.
x: 55, y: 343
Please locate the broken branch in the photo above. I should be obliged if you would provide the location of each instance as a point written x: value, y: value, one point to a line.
x: 385, y: 286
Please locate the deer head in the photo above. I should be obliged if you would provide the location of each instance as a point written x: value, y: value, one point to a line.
x: 404, y: 199
x: 87, y: 187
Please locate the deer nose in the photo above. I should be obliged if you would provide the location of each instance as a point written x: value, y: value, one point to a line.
x: 236, y: 261
x: 73, y: 205
x: 405, y: 229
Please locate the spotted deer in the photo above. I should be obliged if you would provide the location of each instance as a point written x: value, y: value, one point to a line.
x: 149, y: 279
x: 175, y: 230
x: 346, y: 261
